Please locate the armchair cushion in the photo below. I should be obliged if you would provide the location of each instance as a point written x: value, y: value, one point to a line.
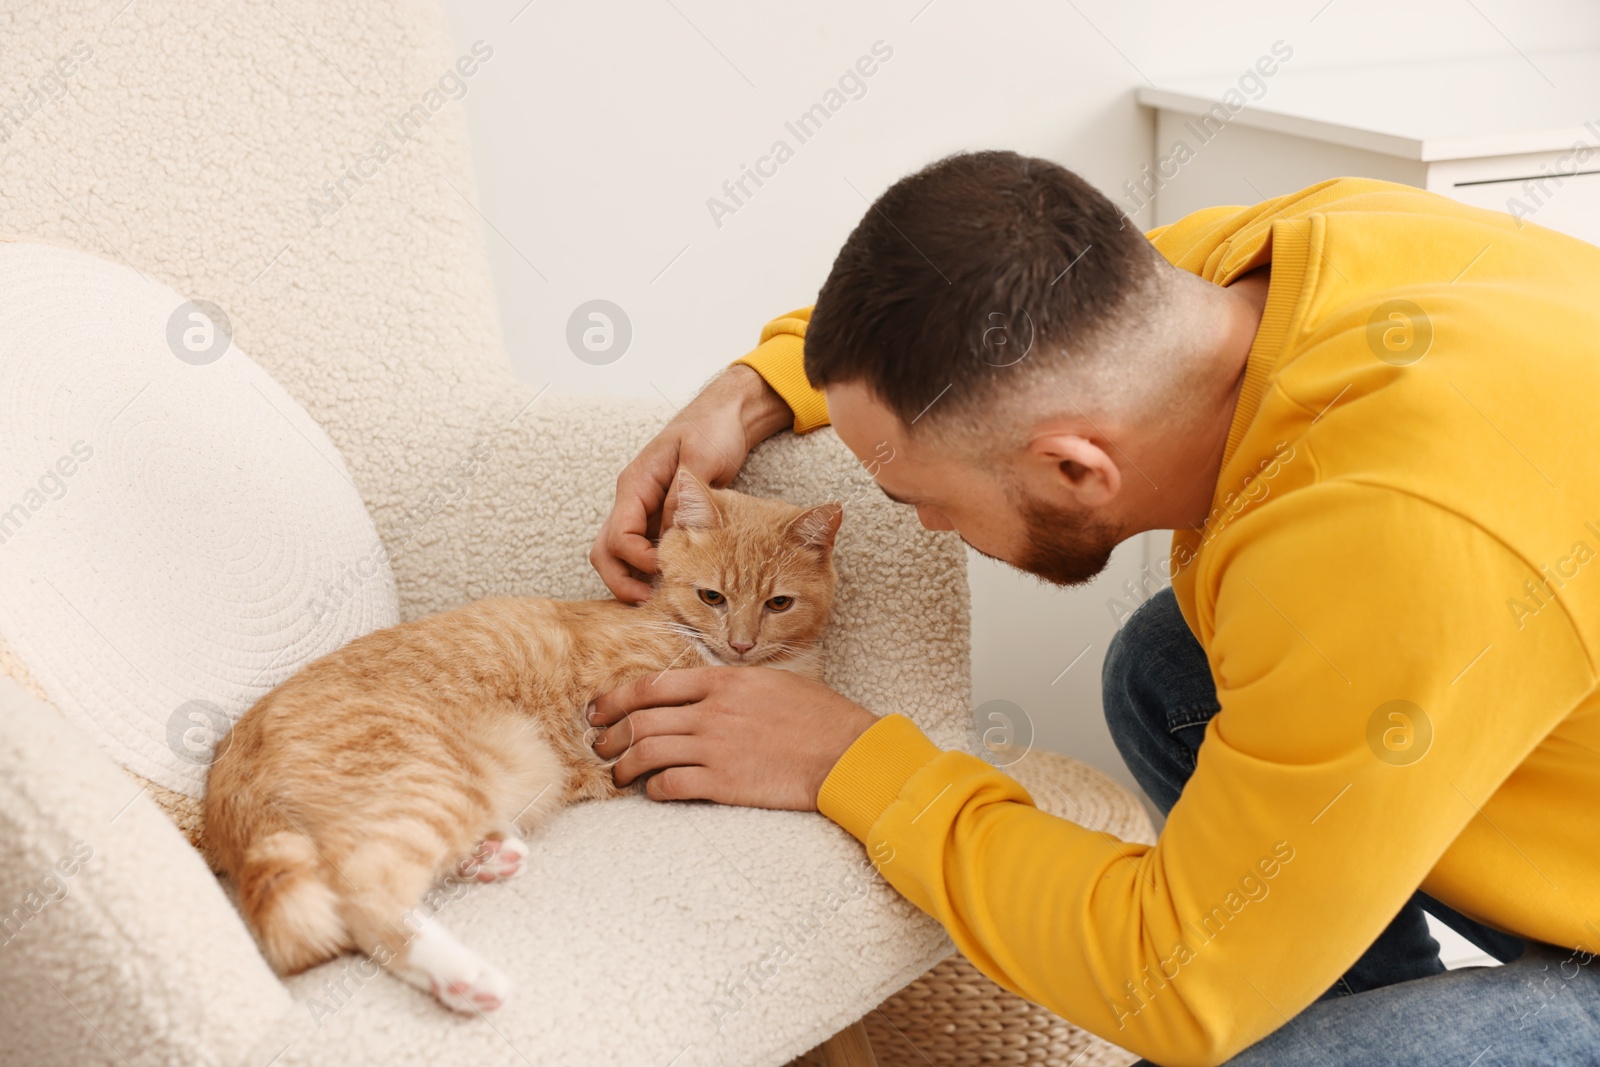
x: 185, y: 536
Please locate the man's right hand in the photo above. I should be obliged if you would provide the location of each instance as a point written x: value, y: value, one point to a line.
x: 711, y: 436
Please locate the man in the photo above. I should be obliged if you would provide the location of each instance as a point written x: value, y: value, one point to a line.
x: 1368, y: 412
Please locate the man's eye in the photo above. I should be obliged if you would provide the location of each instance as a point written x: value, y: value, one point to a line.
x: 712, y: 597
x: 780, y: 603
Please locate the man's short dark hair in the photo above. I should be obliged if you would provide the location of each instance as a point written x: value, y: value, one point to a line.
x: 966, y: 269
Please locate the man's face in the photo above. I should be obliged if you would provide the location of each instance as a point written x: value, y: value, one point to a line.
x: 1014, y: 510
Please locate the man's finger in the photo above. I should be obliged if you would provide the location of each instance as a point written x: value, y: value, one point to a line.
x: 641, y: 490
x: 655, y: 753
x: 682, y: 783
x: 633, y: 548
x: 613, y: 741
x: 647, y: 477
x: 669, y: 506
x: 629, y: 522
x: 615, y: 573
x: 659, y: 689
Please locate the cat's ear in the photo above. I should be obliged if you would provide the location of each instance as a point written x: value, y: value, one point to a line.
x: 696, y: 510
x: 816, y: 527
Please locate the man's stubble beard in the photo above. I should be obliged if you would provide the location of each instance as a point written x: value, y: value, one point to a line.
x: 1062, y: 547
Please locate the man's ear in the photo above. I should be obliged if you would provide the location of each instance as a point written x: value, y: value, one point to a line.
x: 1088, y: 471
x: 817, y: 527
x: 697, y: 509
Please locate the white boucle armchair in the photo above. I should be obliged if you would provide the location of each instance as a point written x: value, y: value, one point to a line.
x: 196, y: 143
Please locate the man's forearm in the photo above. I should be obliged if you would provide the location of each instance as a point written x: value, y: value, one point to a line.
x: 762, y: 412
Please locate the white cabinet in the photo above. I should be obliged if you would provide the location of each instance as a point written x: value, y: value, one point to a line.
x: 1569, y: 203
x: 1518, y: 133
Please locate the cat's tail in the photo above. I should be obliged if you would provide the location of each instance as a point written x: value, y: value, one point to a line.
x: 289, y: 903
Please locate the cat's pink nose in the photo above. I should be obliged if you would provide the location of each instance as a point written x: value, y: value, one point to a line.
x: 741, y: 647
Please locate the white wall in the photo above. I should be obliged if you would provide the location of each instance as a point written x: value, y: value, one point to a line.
x: 601, y: 129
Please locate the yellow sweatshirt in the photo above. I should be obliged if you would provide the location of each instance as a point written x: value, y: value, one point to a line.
x: 1397, y: 592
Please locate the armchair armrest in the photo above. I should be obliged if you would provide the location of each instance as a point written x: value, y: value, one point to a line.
x: 117, y: 945
x: 539, y: 479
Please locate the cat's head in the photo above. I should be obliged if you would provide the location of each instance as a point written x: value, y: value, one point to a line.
x: 753, y: 577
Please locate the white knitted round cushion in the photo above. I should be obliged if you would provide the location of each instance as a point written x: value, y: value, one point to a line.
x: 177, y: 535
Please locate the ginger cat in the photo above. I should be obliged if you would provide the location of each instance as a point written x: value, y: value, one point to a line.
x: 348, y: 790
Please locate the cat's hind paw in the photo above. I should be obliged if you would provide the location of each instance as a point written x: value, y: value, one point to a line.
x: 484, y: 992
x: 495, y: 860
x: 458, y: 978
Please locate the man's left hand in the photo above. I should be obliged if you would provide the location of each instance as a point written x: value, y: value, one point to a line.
x: 754, y: 736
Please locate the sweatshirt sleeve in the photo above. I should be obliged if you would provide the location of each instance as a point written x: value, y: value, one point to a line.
x: 780, y: 359
x: 1351, y: 750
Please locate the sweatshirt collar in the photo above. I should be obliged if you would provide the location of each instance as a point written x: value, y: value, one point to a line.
x: 1290, y: 256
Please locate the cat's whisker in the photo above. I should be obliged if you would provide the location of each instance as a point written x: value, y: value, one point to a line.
x: 672, y: 630
x: 660, y: 628
x: 674, y: 662
x: 668, y: 626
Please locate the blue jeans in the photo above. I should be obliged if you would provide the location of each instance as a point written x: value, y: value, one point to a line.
x: 1397, y: 1004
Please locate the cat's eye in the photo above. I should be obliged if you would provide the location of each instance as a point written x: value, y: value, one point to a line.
x: 780, y: 603
x: 712, y: 597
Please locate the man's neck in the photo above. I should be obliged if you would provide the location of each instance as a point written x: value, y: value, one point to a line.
x: 1196, y: 455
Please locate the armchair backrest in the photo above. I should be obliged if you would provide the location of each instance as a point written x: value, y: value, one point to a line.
x: 304, y: 167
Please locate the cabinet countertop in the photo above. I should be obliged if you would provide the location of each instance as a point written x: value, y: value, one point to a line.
x: 1442, y: 110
